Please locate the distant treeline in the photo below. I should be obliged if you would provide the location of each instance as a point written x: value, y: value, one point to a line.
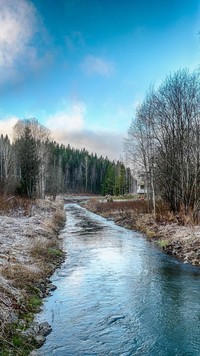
x: 33, y: 166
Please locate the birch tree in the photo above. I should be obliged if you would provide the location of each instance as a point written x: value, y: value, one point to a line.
x: 140, y: 146
x: 164, y: 140
x: 7, y: 179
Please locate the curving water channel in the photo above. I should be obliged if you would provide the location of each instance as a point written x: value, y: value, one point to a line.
x: 118, y: 295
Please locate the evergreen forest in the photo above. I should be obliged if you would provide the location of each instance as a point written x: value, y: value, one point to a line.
x: 34, y: 166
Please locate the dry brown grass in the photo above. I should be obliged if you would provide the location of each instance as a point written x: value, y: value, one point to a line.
x: 15, y: 205
x: 58, y: 220
x: 134, y: 215
x: 164, y: 215
x: 45, y: 250
x: 53, y: 225
x: 138, y: 206
x: 20, y: 275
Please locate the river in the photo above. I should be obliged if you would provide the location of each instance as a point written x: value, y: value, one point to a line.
x: 117, y: 294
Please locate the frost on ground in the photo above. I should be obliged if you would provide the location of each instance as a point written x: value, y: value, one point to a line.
x: 181, y: 241
x: 29, y: 250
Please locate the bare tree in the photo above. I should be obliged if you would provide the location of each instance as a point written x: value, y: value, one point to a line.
x: 140, y: 146
x: 7, y: 180
x: 177, y: 109
x: 164, y: 139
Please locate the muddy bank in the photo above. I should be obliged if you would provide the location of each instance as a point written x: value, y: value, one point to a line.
x: 30, y: 250
x: 173, y: 238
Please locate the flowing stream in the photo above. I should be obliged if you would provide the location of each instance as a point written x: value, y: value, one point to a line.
x: 117, y: 294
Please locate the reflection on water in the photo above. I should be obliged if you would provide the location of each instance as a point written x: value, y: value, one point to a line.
x: 118, y: 295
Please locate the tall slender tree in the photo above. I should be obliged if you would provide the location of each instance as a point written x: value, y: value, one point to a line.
x: 28, y: 163
x: 164, y: 136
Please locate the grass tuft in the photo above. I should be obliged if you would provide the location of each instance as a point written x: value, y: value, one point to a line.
x: 162, y: 243
x: 20, y: 275
x: 46, y: 250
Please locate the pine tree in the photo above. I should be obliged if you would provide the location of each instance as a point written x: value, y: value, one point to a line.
x: 28, y: 162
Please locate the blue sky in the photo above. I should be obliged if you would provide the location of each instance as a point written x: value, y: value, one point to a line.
x: 82, y: 66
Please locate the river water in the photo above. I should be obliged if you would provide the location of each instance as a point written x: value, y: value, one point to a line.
x: 119, y: 295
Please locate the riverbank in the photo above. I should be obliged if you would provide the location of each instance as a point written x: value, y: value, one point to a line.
x: 30, y: 250
x: 172, y: 234
x: 118, y: 294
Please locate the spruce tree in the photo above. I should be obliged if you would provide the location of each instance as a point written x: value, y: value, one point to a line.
x: 28, y: 162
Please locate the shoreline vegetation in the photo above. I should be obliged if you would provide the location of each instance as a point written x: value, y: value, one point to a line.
x: 31, y: 249
x: 175, y: 234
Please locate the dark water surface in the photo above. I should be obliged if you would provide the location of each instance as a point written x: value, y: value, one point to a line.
x: 118, y: 295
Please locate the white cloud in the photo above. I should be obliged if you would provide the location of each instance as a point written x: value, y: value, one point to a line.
x: 105, y: 143
x: 70, y: 117
x: 68, y: 126
x: 6, y: 125
x: 18, y: 25
x: 96, y: 65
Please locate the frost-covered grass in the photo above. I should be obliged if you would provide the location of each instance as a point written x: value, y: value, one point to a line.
x: 29, y: 252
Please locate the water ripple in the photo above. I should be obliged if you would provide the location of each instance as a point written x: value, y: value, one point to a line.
x: 118, y: 295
